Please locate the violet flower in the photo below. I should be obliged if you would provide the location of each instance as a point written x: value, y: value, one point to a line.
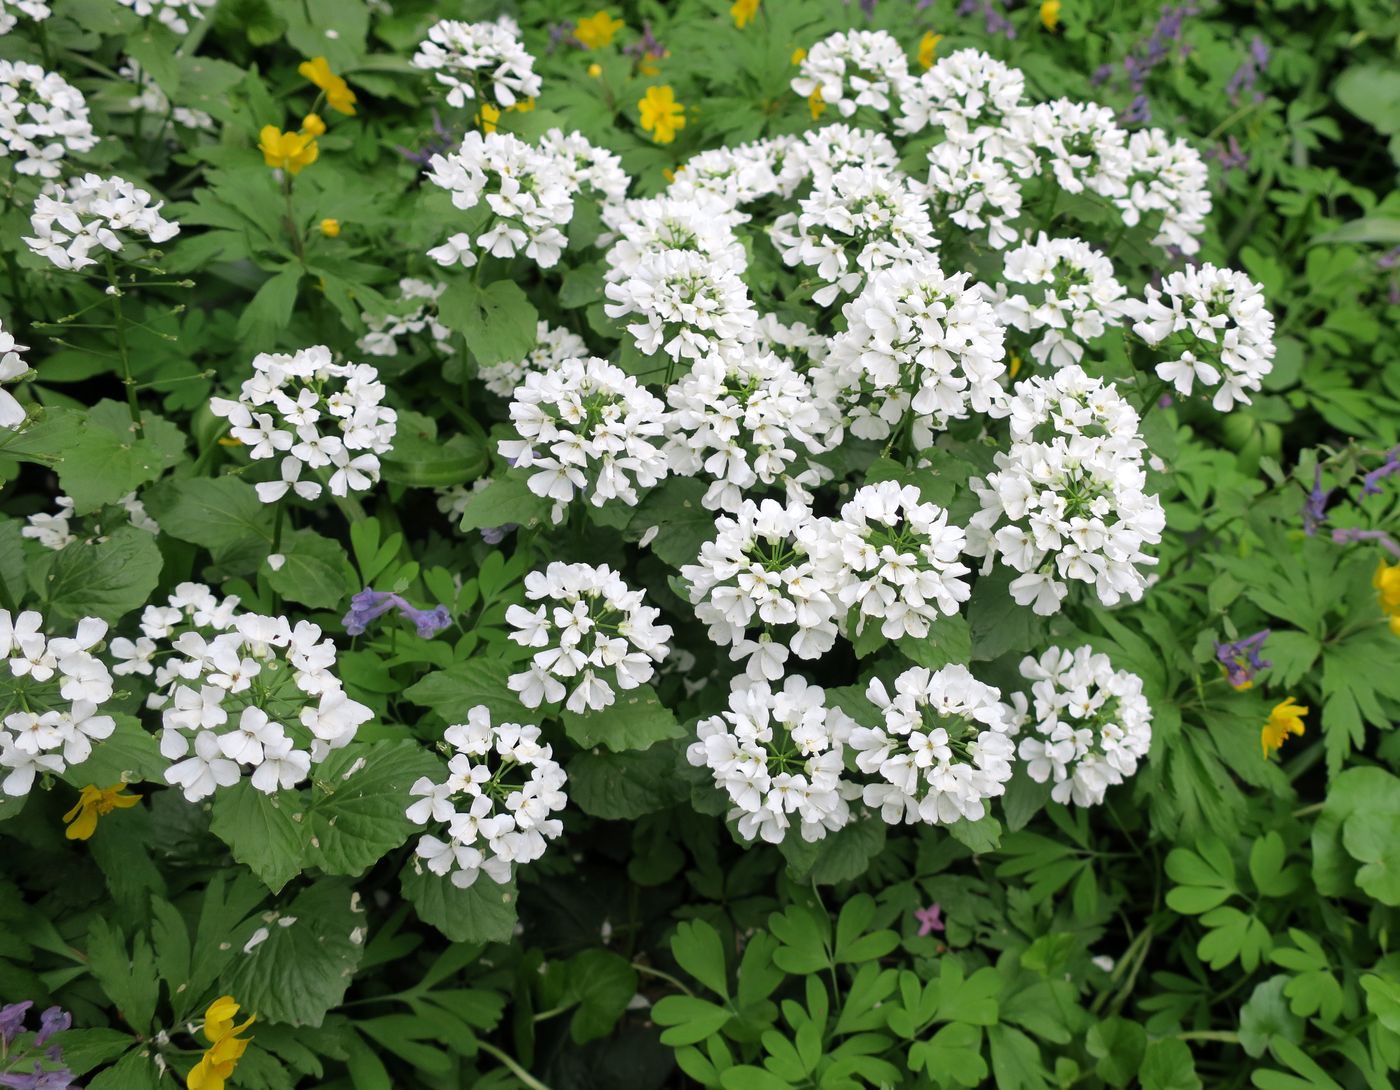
x: 1349, y: 537
x: 1315, y: 506
x: 930, y: 919
x: 369, y: 605
x: 1249, y: 71
x: 1242, y: 658
x: 12, y: 1021
x: 1230, y: 155
x: 1369, y: 487
x: 995, y: 21
x: 54, y: 1020
x: 57, y: 1079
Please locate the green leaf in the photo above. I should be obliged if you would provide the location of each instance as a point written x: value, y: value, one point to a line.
x: 1118, y: 1045
x: 483, y: 912
x: 1168, y: 1065
x: 635, y: 720
x: 136, y: 1070
x: 266, y: 833
x: 979, y: 836
x: 358, y: 801
x: 128, y: 977
x: 304, y: 965
x: 419, y: 459
x: 697, y: 948
x: 105, y: 579
x: 1373, y: 839
x: 623, y: 786
x: 497, y: 321
x: 505, y: 501
x: 1265, y: 1016
x: 837, y: 857
x: 688, y: 1019
x: 603, y: 983
x: 949, y: 641
x: 316, y: 573
x: 453, y: 692
x: 85, y: 1049
x: 223, y: 514
x: 270, y: 310
x: 130, y: 755
x: 681, y: 520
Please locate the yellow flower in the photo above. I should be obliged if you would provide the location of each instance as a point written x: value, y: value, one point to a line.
x: 1387, y: 584
x: 289, y: 151
x: 95, y: 802
x: 487, y: 118
x: 927, y: 44
x: 330, y: 228
x: 647, y: 66
x: 1050, y: 14
x: 595, y: 70
x: 744, y: 12
x: 661, y: 114
x: 313, y: 124
x: 1285, y: 719
x: 816, y: 103
x: 1015, y: 364
x: 522, y: 105
x: 338, y: 94
x: 799, y: 55
x: 225, y: 1049
x: 597, y: 30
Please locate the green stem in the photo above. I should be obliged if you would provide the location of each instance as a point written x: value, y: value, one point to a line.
x: 119, y: 320
x: 512, y: 1066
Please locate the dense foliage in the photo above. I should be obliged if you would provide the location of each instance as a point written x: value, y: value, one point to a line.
x: 744, y: 545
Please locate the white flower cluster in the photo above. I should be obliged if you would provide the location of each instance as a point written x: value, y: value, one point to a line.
x: 417, y: 314
x: 854, y: 68
x: 42, y: 119
x: 593, y: 636
x: 1066, y: 501
x: 553, y: 345
x: 700, y: 223
x: 239, y: 692
x: 501, y: 787
x: 1091, y: 724
x: 739, y: 175
x: 1168, y: 178
x: 54, y: 531
x: 585, y: 168
x: 971, y: 96
x: 12, y: 366
x: 1215, y: 323
x: 687, y: 306
x: 34, y: 10
x: 895, y: 559
x: 815, y: 159
x: 313, y: 413
x: 779, y: 755
x: 863, y: 220
x: 586, y: 428
x: 943, y: 749
x: 171, y: 13
x: 69, y: 222
x: 762, y: 570
x: 55, y: 689
x: 746, y: 418
x: 472, y: 59
x: 523, y: 190
x: 918, y: 346
x: 153, y: 102
x: 1070, y: 292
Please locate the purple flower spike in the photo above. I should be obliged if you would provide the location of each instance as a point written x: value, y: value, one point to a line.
x: 12, y: 1021
x: 369, y: 605
x: 1243, y: 658
x: 1315, y: 507
x: 1369, y: 485
x: 54, y: 1020
x: 1350, y: 537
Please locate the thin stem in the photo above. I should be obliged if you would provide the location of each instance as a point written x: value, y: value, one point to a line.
x: 512, y: 1066
x: 661, y: 975
x: 119, y: 319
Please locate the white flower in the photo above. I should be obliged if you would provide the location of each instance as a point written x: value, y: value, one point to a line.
x: 313, y: 413
x: 417, y: 313
x: 736, y: 175
x: 968, y: 94
x: 42, y: 118
x: 778, y: 755
x: 942, y: 748
x: 171, y: 13
x: 1090, y: 725
x: 496, y: 803
x: 919, y: 347
x: 1066, y: 501
x: 687, y: 304
x: 855, y: 68
x: 93, y: 213
x: 12, y: 366
x: 553, y: 345
x: 761, y: 572
x: 54, y: 531
x: 458, y: 54
x: 1217, y: 321
x: 1082, y: 145
x: 585, y: 168
x: 594, y: 635
x: 35, y: 10
x: 1168, y: 178
x: 896, y: 559
x: 586, y: 428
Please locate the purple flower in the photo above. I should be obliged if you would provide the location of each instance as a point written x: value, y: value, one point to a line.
x: 930, y: 919
x: 1348, y: 537
x: 1249, y: 71
x: 369, y: 605
x: 1139, y: 112
x: 1243, y: 658
x: 1157, y: 48
x: 1230, y: 155
x: 1315, y: 506
x: 54, y: 1020
x: 1369, y: 487
x: 58, y: 1079
x: 995, y: 21
x: 12, y: 1021
x: 1389, y: 259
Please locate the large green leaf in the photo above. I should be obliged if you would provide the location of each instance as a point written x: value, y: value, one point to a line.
x: 483, y: 912
x: 497, y: 321
x: 269, y: 834
x: 635, y: 720
x: 453, y: 692
x: 106, y: 579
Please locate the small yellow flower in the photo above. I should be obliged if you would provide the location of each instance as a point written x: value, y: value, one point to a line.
x: 744, y: 12
x: 927, y: 45
x: 595, y: 70
x: 522, y: 105
x: 1285, y: 719
x: 1387, y: 584
x: 648, y: 65
x: 488, y: 116
x: 669, y: 174
x: 597, y: 30
x: 816, y: 103
x: 1015, y: 365
x: 661, y: 114
x: 95, y: 802
x: 330, y: 228
x: 799, y: 55
x: 225, y: 1049
x: 338, y: 94
x: 289, y: 151
x: 1050, y: 14
x: 313, y: 124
